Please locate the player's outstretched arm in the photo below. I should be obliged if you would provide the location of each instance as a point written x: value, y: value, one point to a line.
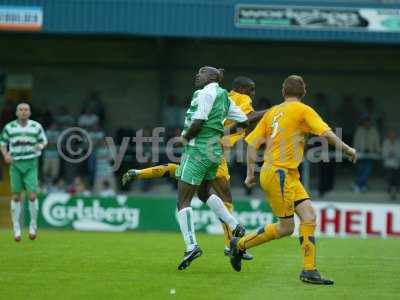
x: 334, y: 140
x: 236, y: 127
x: 256, y: 116
x: 250, y: 180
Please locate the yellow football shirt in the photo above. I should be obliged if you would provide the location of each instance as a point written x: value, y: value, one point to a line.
x: 245, y: 104
x: 283, y: 129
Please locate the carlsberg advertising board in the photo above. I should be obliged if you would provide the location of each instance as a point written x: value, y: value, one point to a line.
x: 334, y: 219
x: 123, y: 213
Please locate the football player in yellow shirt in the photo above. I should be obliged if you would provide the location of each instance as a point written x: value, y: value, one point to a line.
x: 282, y: 129
x: 243, y: 90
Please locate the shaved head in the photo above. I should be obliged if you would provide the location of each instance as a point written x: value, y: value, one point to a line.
x: 207, y: 75
x: 21, y: 105
x: 23, y: 111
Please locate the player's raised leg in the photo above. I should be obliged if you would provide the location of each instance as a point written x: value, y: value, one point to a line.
x: 309, y: 274
x: 267, y: 233
x: 276, y: 185
x: 165, y: 170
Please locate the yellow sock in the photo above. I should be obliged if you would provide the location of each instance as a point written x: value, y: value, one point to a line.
x: 226, y: 228
x: 307, y: 242
x: 167, y: 170
x: 263, y: 235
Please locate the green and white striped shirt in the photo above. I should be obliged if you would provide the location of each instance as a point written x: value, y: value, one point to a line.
x: 22, y: 140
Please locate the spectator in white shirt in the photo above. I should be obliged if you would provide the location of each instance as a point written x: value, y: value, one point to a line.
x: 88, y: 119
x: 106, y: 190
x: 104, y: 169
x: 367, y: 143
x: 391, y: 162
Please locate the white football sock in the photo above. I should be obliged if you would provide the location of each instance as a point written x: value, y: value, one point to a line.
x: 186, y: 224
x: 15, y: 215
x: 33, y: 211
x: 218, y: 207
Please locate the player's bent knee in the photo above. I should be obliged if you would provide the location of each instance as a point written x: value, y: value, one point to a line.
x: 227, y: 196
x: 16, y: 197
x: 309, y: 217
x: 183, y: 203
x: 306, y: 212
x: 222, y: 188
x: 32, y: 196
x: 285, y: 227
x: 287, y: 231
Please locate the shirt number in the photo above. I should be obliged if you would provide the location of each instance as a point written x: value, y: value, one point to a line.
x: 275, y: 125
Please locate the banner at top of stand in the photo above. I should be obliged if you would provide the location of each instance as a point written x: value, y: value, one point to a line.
x: 317, y: 18
x: 21, y: 18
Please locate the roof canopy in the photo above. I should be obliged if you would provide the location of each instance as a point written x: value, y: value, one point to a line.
x: 338, y: 21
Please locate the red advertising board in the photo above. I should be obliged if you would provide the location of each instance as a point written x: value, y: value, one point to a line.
x: 337, y: 219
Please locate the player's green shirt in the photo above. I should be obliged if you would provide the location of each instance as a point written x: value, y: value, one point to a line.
x: 211, y: 104
x: 23, y: 139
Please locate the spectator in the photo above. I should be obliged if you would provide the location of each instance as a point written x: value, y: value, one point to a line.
x: 391, y: 162
x: 327, y: 173
x: 327, y: 167
x: 322, y: 104
x: 182, y: 108
x: 106, y: 190
x: 367, y: 142
x: 51, y: 158
x: 63, y: 117
x: 376, y: 117
x: 57, y: 186
x: 104, y: 170
x: 44, y: 116
x: 345, y: 116
x: 8, y: 112
x: 96, y: 137
x: 73, y: 149
x: 262, y: 103
x: 78, y: 187
x: 88, y: 119
x: 94, y: 101
x: 172, y: 113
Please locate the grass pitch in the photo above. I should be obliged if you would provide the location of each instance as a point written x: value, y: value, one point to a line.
x: 80, y: 265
